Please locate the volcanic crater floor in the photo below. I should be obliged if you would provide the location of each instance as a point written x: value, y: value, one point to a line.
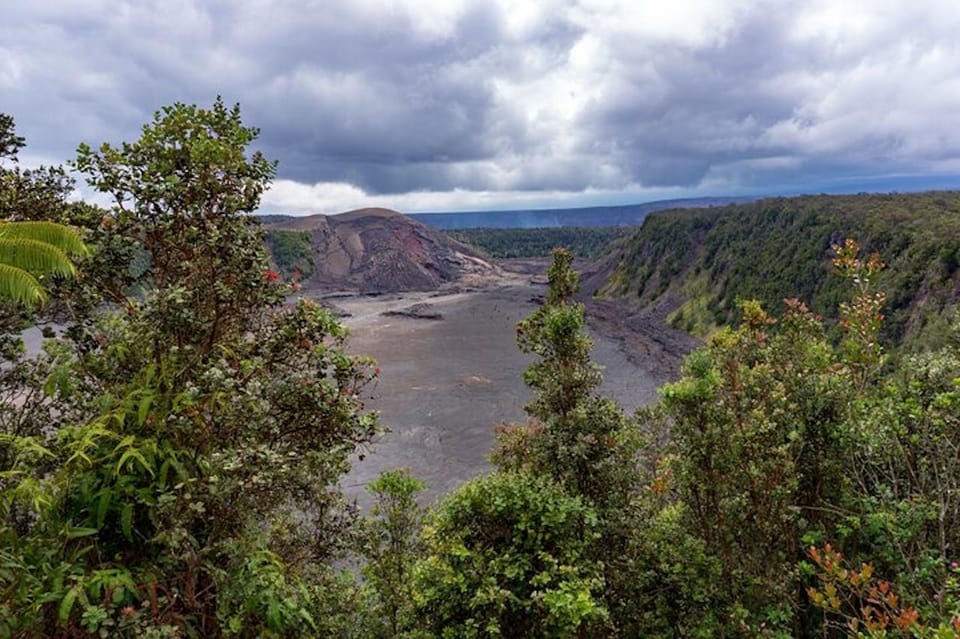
x: 445, y: 385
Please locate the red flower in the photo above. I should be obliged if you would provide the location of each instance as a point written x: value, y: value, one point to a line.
x: 271, y: 276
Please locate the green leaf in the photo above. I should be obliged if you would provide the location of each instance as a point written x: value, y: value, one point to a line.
x: 29, y: 250
x: 18, y: 285
x: 66, y: 605
x: 164, y: 471
x: 126, y: 442
x: 176, y: 465
x: 35, y: 257
x: 103, y: 505
x: 306, y: 616
x: 274, y: 621
x: 126, y: 521
x: 59, y: 236
x: 133, y: 453
x: 80, y: 531
x: 144, y: 408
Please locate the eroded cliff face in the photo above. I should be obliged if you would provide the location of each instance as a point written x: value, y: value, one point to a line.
x: 379, y: 250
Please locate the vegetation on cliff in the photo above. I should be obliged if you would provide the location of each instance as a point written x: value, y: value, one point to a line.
x: 292, y: 252
x: 704, y: 262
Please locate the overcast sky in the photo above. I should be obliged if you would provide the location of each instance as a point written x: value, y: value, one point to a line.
x: 448, y: 105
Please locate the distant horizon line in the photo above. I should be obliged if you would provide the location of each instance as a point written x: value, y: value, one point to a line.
x: 730, y: 198
x: 727, y: 199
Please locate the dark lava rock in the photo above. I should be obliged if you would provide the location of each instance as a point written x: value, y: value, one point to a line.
x: 417, y: 311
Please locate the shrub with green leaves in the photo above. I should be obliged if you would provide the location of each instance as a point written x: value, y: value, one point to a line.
x: 756, y: 434
x: 507, y: 556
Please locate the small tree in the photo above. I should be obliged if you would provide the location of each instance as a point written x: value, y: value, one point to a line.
x: 564, y: 376
x: 861, y: 318
x: 575, y: 435
x: 390, y: 544
x: 183, y: 197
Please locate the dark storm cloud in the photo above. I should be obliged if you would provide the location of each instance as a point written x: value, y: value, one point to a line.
x: 401, y: 97
x: 679, y: 112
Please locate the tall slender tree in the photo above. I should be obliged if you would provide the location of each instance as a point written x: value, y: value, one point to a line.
x: 581, y: 438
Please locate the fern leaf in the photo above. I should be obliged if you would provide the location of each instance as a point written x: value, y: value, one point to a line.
x: 65, y: 238
x: 34, y: 256
x: 21, y: 287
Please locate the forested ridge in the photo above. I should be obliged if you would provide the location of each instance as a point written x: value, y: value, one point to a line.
x: 170, y: 463
x: 582, y: 241
x: 704, y: 261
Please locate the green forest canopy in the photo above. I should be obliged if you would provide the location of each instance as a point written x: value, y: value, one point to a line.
x: 709, y: 260
x: 582, y: 241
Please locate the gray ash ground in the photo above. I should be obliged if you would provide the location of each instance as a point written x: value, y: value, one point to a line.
x: 445, y: 385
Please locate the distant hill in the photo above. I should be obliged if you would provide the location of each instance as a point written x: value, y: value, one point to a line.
x: 272, y: 218
x: 628, y: 215
x: 694, y: 265
x: 371, y: 250
x: 583, y: 241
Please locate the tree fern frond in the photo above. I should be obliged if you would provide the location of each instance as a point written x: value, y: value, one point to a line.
x: 20, y: 286
x: 63, y: 237
x: 34, y: 256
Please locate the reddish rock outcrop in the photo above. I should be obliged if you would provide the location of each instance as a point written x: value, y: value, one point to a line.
x: 379, y: 250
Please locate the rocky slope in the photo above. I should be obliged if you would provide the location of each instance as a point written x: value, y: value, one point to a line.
x: 379, y: 250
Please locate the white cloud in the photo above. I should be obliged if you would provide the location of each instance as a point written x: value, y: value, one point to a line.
x: 11, y: 69
x: 432, y: 103
x: 297, y: 198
